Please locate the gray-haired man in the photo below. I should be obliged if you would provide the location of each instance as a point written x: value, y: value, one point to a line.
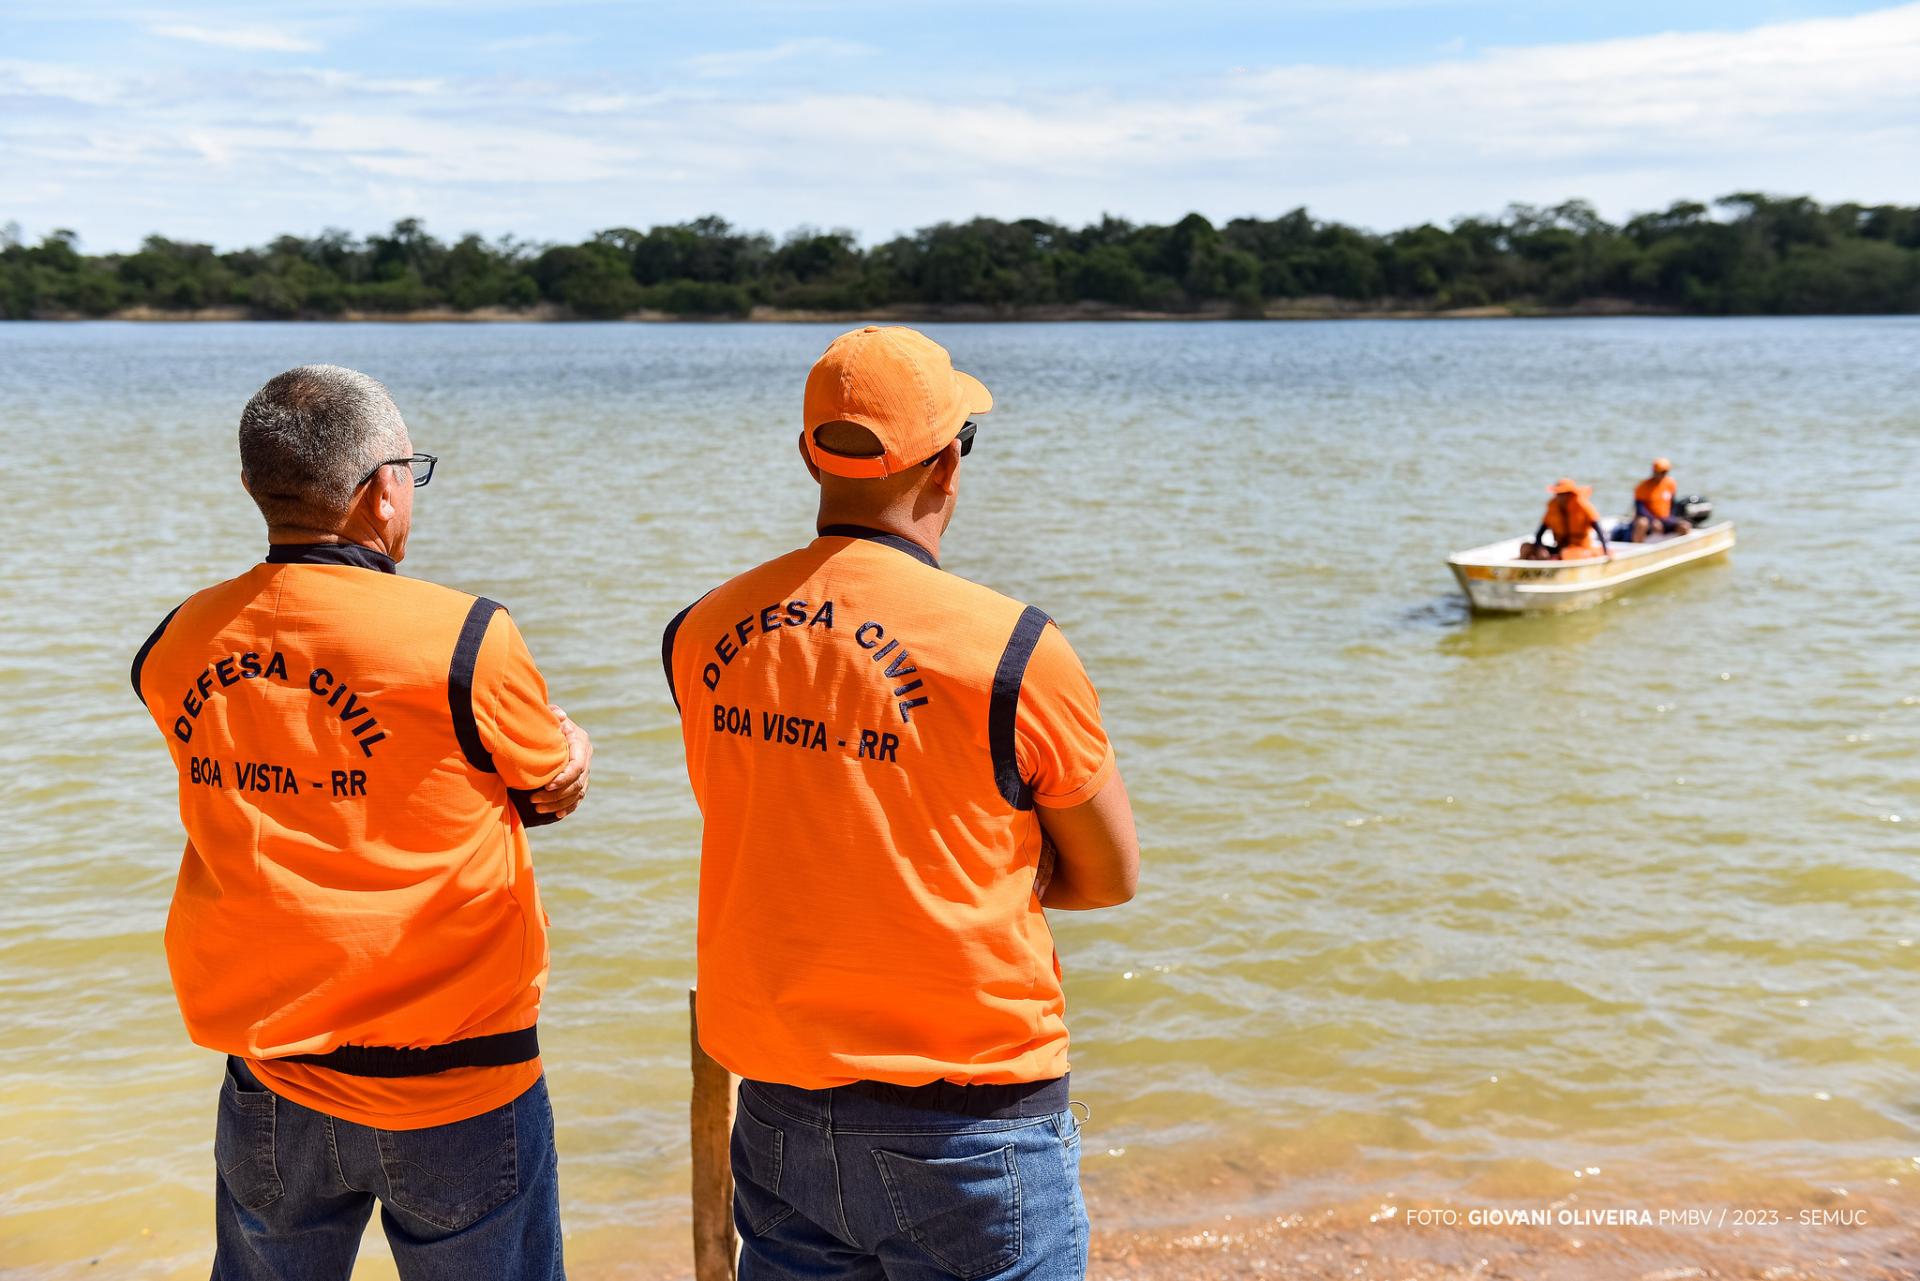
x: 356, y: 924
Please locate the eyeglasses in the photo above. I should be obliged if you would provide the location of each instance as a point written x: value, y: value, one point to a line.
x: 421, y: 465
x: 965, y: 436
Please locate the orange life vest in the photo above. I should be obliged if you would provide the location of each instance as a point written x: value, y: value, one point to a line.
x: 1657, y: 495
x: 1572, y: 522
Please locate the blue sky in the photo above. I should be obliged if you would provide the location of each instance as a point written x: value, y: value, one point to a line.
x: 232, y: 123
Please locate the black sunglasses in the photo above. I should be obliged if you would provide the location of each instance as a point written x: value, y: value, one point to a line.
x: 965, y: 436
x: 421, y: 465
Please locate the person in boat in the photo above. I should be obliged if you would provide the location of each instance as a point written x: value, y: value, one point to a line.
x: 1574, y: 523
x: 1653, y: 505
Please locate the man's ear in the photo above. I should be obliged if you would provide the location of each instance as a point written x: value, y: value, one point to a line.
x: 946, y: 470
x: 381, y: 497
x: 813, y: 468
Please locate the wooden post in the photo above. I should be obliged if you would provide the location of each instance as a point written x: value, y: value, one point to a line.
x: 715, y: 1251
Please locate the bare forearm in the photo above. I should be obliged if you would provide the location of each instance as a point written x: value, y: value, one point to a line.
x: 1063, y: 895
x: 1096, y: 854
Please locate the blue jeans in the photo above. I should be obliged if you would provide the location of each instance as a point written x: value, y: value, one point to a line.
x: 476, y: 1200
x: 851, y: 1184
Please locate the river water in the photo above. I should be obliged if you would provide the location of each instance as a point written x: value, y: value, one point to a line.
x: 1429, y: 901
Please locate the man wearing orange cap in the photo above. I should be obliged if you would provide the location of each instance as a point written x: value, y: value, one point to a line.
x: 1653, y: 505
x: 1574, y: 523
x: 897, y: 769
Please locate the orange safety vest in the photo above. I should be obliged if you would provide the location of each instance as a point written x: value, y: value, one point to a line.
x: 356, y: 871
x: 867, y: 737
x: 1657, y: 495
x: 1571, y: 523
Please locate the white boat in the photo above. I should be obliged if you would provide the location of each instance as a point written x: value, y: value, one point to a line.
x: 1495, y: 579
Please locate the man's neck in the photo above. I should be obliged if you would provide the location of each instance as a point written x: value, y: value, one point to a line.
x: 922, y: 533
x: 278, y: 535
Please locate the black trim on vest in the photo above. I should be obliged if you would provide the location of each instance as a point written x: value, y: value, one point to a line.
x: 978, y: 1102
x: 466, y: 653
x: 882, y: 537
x: 330, y: 554
x: 140, y: 656
x: 501, y: 1049
x: 666, y: 649
x: 523, y: 806
x: 1005, y: 706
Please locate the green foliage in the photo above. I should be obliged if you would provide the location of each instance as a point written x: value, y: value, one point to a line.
x: 699, y: 298
x: 1745, y: 253
x: 1108, y: 273
x: 594, y: 279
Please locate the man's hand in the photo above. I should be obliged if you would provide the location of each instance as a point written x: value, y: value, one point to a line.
x: 563, y: 795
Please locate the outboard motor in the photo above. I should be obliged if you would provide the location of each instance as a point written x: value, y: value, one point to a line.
x: 1695, y: 509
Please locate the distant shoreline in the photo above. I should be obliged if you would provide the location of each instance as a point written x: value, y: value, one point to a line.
x: 1296, y: 309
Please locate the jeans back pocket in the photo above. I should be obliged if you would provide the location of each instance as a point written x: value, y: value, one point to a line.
x: 450, y: 1175
x: 758, y: 1154
x: 243, y: 1139
x: 964, y: 1211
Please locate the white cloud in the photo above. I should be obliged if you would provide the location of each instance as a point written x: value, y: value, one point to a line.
x: 1829, y: 107
x: 34, y: 80
x: 329, y: 79
x: 738, y: 62
x: 544, y: 40
x: 261, y: 39
x: 425, y: 150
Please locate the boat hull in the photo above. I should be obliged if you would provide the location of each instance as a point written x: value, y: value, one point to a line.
x: 1496, y: 581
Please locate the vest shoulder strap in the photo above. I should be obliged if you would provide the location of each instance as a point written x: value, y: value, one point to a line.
x: 466, y: 729
x: 466, y: 653
x: 666, y: 646
x: 146, y: 648
x: 1004, y: 707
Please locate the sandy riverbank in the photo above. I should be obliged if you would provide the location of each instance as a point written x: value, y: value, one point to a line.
x: 1248, y: 1215
x: 1212, y: 1223
x: 1358, y: 1243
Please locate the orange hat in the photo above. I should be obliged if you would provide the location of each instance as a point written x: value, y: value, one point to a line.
x: 1661, y: 464
x: 900, y: 385
x: 1565, y: 486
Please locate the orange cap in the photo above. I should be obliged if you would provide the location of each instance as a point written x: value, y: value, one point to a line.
x: 900, y: 385
x: 1566, y: 486
x: 1661, y: 464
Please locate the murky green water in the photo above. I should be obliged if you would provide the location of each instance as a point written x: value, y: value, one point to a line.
x: 1427, y: 899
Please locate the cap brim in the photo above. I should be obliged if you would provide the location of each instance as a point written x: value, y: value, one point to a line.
x: 973, y: 393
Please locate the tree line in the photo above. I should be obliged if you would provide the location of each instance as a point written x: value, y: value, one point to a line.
x: 1748, y: 254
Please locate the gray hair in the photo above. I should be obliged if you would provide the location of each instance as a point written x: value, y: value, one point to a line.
x: 308, y: 439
